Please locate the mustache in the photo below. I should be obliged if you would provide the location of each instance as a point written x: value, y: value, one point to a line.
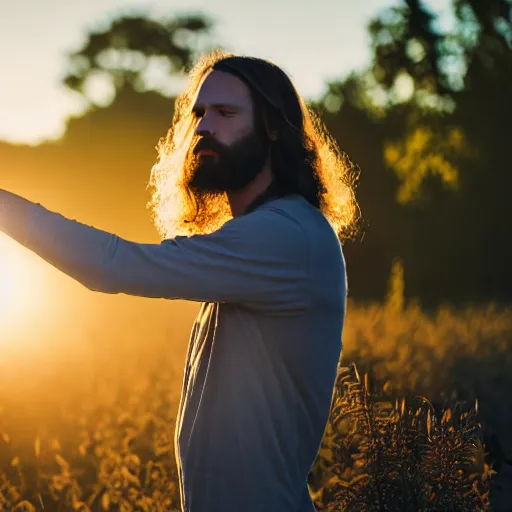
x: 208, y: 144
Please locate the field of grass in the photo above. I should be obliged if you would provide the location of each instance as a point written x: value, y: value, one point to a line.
x: 417, y: 397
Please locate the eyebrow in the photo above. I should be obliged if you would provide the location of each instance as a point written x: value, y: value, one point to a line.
x: 218, y: 106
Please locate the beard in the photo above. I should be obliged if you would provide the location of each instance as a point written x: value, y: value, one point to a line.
x: 232, y: 168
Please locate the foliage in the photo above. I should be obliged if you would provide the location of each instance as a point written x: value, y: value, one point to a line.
x: 435, y: 173
x: 105, y: 439
x: 115, y: 453
x: 404, y: 42
x: 125, y: 50
x: 423, y: 152
x: 379, y: 455
x: 427, y: 123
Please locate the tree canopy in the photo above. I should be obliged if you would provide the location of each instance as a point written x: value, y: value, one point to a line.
x: 427, y: 123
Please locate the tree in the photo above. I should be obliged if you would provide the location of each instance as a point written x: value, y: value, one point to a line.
x: 133, y: 49
x: 445, y: 139
x: 405, y: 43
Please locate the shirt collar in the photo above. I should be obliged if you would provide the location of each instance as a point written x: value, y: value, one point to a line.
x: 273, y: 191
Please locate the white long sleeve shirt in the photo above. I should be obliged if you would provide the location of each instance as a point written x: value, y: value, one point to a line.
x: 263, y: 352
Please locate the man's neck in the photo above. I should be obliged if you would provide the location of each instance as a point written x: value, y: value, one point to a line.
x: 240, y: 200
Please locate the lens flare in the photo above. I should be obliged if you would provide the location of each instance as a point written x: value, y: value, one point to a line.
x: 19, y: 294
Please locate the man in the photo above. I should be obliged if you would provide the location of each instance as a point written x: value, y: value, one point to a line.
x: 252, y: 199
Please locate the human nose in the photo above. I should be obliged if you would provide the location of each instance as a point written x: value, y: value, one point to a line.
x: 205, y: 126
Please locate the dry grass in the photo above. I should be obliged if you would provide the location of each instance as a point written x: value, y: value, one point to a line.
x: 111, y: 451
x: 378, y: 455
x: 105, y: 440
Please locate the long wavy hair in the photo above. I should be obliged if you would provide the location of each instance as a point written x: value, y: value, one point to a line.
x: 305, y: 158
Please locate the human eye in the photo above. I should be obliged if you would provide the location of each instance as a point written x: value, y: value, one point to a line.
x: 226, y: 113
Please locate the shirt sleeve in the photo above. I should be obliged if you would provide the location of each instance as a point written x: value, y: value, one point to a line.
x: 258, y: 259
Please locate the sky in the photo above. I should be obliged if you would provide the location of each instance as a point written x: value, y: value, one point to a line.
x: 313, y: 41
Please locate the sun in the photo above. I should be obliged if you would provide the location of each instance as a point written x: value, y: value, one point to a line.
x: 6, y: 292
x: 20, y: 292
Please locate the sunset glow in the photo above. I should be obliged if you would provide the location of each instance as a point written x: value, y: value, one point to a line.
x: 20, y: 294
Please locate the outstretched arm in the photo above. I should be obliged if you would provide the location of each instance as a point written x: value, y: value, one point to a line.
x: 14, y: 213
x: 259, y: 259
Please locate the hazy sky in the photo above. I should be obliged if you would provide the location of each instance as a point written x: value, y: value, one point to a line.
x: 313, y: 40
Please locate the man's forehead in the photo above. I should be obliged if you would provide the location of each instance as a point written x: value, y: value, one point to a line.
x: 222, y: 88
